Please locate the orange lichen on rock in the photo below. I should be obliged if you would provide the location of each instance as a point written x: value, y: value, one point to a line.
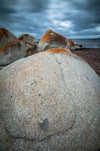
x: 51, y: 36
x: 63, y: 51
x: 26, y: 35
x: 3, y: 32
x: 71, y: 42
x: 22, y: 36
x: 58, y: 50
x: 46, y: 35
x: 9, y: 44
x: 29, y: 43
x: 49, y: 31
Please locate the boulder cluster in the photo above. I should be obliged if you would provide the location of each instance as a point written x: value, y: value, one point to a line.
x: 49, y: 101
x: 12, y: 49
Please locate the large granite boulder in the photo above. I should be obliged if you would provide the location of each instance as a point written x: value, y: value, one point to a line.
x: 52, y: 39
x: 6, y: 36
x: 15, y: 50
x: 49, y: 101
x: 28, y: 37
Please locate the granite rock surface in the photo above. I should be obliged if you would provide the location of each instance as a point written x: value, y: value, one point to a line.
x: 49, y: 101
x: 15, y: 50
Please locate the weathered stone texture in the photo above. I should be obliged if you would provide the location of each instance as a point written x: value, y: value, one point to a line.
x: 50, y: 101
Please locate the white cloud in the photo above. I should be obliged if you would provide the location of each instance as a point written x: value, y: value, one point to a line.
x: 97, y: 29
x: 62, y: 24
x: 67, y: 24
x: 92, y: 30
x: 33, y: 34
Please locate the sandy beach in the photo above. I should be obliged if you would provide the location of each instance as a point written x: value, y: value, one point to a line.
x: 92, y: 56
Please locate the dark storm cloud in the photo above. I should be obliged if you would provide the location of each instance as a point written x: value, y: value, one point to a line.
x: 6, y: 6
x: 89, y: 5
x: 67, y: 17
x: 88, y: 12
x: 23, y: 15
x: 38, y: 5
x: 85, y: 17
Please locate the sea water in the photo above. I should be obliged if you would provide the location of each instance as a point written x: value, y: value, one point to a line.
x: 88, y: 43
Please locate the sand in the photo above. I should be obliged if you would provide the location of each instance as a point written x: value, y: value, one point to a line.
x: 92, y: 56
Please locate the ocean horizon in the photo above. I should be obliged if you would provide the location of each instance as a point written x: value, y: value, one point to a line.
x: 88, y: 43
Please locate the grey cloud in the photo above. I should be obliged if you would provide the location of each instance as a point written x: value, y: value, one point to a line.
x: 36, y: 16
x: 39, y: 5
x: 6, y: 7
x: 86, y: 15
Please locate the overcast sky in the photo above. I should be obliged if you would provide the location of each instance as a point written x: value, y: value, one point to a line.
x: 71, y: 18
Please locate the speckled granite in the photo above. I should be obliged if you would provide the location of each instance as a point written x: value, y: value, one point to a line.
x: 49, y: 102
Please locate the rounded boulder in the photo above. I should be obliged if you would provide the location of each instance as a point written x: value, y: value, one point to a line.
x: 15, y: 50
x: 52, y: 39
x: 49, y: 101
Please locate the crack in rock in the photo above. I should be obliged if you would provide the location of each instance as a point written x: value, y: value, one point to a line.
x: 60, y: 65
x: 38, y: 139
